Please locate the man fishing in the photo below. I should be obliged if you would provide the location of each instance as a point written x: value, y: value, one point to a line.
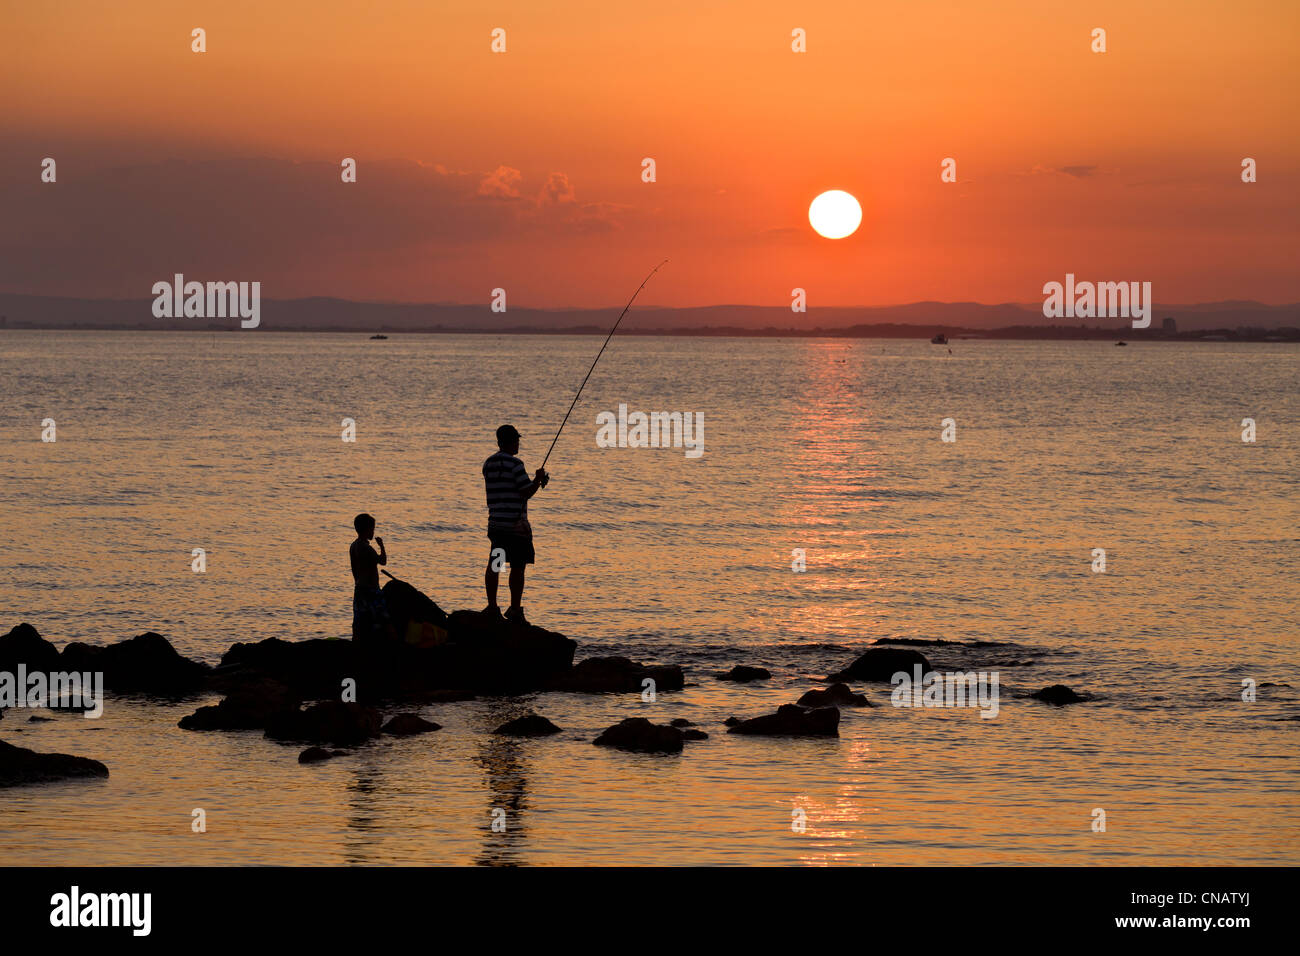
x: 508, y: 490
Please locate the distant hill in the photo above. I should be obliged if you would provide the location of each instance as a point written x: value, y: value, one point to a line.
x: 326, y: 314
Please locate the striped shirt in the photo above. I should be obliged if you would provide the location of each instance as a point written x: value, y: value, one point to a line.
x: 506, y: 480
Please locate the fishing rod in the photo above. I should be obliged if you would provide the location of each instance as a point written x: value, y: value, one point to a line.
x: 597, y: 359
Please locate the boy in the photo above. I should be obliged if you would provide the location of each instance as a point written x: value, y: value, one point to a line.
x: 508, y: 491
x: 370, y: 622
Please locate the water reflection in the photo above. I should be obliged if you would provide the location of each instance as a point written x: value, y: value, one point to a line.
x: 505, y: 771
x: 364, y: 792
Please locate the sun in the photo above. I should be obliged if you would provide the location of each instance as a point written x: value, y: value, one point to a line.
x: 835, y: 214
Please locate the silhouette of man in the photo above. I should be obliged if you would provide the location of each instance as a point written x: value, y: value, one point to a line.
x: 508, y: 490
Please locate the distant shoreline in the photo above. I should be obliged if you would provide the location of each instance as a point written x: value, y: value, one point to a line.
x: 1237, y: 320
x: 954, y: 334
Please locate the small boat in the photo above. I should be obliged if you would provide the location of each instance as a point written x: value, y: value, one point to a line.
x: 1121, y: 343
x: 939, y: 339
x: 379, y: 336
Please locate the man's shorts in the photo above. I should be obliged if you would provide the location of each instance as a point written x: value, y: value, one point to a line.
x: 518, y: 549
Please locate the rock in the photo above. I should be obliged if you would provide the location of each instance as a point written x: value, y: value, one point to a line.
x: 329, y: 722
x: 835, y: 695
x: 529, y: 725
x: 732, y: 721
x: 317, y: 754
x: 480, y: 656
x: 414, y: 615
x: 250, y: 706
x: 744, y: 674
x: 146, y: 664
x: 19, y: 766
x: 637, y: 733
x: 447, y: 696
x: 23, y: 645
x: 691, y: 734
x: 314, y: 668
x: 499, y: 655
x: 405, y: 725
x: 613, y: 675
x: 881, y: 664
x: 1058, y: 694
x: 791, y: 720
x: 680, y: 722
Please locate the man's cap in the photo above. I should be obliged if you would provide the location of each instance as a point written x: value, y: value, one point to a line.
x: 505, y: 432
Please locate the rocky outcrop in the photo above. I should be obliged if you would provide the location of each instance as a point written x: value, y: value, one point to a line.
x: 314, y: 668
x: 881, y: 664
x: 1058, y: 694
x: 617, y: 675
x: 482, y: 656
x: 743, y: 674
x: 691, y: 733
x: 21, y: 766
x: 529, y: 725
x: 332, y: 722
x: 447, y: 696
x: 249, y: 706
x: 638, y: 734
x: 791, y: 720
x: 147, y: 664
x: 407, y: 725
x: 837, y: 695
x: 23, y: 645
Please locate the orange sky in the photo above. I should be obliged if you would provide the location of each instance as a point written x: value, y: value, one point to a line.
x: 522, y: 169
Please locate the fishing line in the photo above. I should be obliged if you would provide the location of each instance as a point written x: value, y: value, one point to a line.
x: 597, y: 359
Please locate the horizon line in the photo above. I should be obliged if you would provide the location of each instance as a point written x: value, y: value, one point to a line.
x: 677, y: 308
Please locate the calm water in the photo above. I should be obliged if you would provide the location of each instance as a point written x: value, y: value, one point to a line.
x: 231, y: 442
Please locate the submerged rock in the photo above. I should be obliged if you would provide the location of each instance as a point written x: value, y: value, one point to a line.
x: 21, y: 766
x: 1058, y: 694
x: 837, y: 694
x: 615, y: 675
x: 881, y: 664
x: 329, y: 722
x: 692, y: 734
x: 680, y: 722
x: 145, y: 664
x: 637, y: 733
x: 529, y: 725
x: 250, y: 706
x: 743, y: 674
x: 791, y: 720
x: 317, y: 754
x: 405, y: 725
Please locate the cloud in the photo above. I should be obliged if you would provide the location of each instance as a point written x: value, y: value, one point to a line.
x: 501, y: 183
x: 1075, y: 172
x: 557, y: 189
x: 294, y: 225
x: 597, y: 217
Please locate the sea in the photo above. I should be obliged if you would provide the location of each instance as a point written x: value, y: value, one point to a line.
x: 1123, y: 521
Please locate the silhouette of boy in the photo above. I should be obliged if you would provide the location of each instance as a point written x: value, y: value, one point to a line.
x: 370, y: 622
